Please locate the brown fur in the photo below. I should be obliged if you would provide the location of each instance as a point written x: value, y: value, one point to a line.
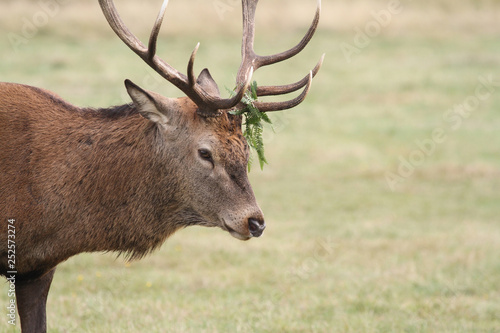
x: 84, y: 180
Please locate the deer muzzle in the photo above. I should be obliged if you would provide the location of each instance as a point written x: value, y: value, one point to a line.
x: 256, y: 227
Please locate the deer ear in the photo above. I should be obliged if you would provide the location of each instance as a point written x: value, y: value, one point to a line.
x: 145, y: 103
x: 208, y: 84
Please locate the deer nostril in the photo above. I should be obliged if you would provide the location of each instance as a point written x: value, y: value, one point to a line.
x: 256, y: 226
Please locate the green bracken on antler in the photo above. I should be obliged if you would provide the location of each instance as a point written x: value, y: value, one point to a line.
x: 253, y: 124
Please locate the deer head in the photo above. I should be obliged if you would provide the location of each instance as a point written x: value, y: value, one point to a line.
x: 203, y: 137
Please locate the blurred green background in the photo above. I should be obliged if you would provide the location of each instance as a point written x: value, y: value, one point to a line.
x: 382, y: 193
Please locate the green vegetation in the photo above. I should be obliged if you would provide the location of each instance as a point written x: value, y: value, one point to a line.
x: 253, y: 125
x: 345, y: 249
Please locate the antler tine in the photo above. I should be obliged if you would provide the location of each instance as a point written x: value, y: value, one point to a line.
x: 279, y: 106
x: 286, y: 89
x: 156, y: 30
x: 164, y: 69
x: 109, y: 10
x: 275, y: 58
x: 191, y: 77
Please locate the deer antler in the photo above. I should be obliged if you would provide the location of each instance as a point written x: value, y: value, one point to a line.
x: 250, y: 58
x: 208, y: 104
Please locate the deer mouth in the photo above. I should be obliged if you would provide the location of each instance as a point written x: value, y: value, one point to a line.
x: 234, y: 233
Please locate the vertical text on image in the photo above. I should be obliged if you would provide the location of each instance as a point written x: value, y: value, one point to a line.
x: 11, y: 272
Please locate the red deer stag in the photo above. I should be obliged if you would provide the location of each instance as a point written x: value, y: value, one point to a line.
x: 125, y: 178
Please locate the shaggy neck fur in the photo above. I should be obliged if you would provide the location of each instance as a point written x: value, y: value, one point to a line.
x: 107, y: 187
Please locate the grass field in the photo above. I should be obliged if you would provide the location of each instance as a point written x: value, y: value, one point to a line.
x: 382, y: 193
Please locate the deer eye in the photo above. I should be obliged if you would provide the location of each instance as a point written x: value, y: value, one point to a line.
x: 205, y: 154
